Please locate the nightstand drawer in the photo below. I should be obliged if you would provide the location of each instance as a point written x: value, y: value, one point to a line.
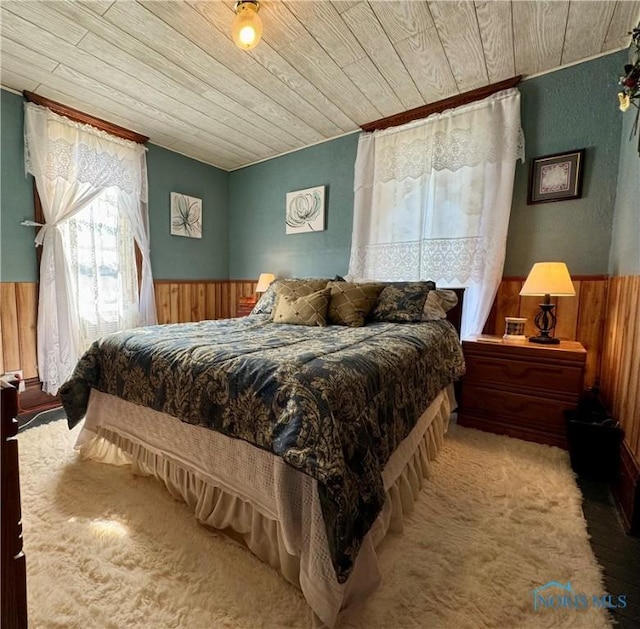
x: 519, y: 388
x: 511, y: 373
x: 526, y: 411
x: 245, y: 306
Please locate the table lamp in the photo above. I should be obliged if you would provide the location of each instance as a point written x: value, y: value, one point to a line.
x: 263, y: 282
x: 547, y: 278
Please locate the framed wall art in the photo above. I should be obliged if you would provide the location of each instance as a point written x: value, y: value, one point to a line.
x: 186, y: 216
x: 556, y: 177
x: 305, y: 210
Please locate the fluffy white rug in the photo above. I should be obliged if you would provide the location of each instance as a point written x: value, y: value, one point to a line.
x: 498, y: 518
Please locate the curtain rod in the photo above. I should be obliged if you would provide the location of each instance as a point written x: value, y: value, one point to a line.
x: 448, y: 103
x: 79, y: 116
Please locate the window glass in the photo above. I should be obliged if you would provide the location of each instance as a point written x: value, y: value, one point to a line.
x: 101, y: 255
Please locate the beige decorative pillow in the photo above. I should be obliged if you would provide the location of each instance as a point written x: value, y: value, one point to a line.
x: 351, y: 303
x: 448, y: 298
x: 432, y: 310
x: 299, y: 288
x: 437, y: 304
x: 307, y: 310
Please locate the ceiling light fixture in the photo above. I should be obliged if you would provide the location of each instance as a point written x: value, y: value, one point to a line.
x: 247, y: 25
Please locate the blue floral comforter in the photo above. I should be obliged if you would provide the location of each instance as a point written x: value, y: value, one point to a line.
x: 333, y: 402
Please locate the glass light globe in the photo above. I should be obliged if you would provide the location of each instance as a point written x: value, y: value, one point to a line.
x: 247, y: 25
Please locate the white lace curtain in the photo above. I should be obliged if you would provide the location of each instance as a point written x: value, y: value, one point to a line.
x: 433, y: 197
x: 72, y: 165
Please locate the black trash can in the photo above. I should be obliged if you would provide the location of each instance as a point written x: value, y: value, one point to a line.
x: 594, y: 446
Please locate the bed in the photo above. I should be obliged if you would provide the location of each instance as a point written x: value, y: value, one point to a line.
x: 308, y: 443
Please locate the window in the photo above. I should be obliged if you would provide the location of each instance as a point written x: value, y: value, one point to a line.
x: 100, y: 251
x: 92, y: 180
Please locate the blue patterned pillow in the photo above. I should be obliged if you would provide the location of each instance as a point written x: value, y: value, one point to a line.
x: 402, y: 302
x: 268, y: 300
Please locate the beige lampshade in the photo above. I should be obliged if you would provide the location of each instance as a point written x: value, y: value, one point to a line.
x: 548, y: 278
x: 263, y: 282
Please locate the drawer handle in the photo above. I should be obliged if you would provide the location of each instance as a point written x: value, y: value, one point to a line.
x: 509, y: 370
x: 524, y: 370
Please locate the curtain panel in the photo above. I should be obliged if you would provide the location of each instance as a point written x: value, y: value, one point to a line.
x: 433, y: 198
x: 73, y: 164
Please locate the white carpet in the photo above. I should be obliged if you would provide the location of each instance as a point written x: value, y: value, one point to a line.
x: 497, y: 518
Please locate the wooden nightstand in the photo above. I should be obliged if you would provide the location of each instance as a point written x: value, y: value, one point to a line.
x: 245, y: 306
x: 520, y: 389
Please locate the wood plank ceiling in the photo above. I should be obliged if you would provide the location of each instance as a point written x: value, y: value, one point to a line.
x: 169, y: 69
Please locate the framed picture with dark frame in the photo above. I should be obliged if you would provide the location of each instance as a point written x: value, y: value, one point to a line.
x: 556, y: 177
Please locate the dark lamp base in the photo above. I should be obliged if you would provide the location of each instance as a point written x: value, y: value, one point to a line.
x: 546, y: 340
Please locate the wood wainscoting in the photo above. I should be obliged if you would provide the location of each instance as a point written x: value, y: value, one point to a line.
x: 196, y: 300
x: 176, y: 302
x: 580, y: 318
x: 621, y: 387
x: 18, y: 320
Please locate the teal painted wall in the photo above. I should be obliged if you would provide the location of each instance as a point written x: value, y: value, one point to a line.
x: 625, y: 241
x: 243, y: 211
x: 177, y: 257
x: 257, y: 209
x: 172, y: 257
x: 568, y: 109
x: 17, y: 249
x: 573, y: 108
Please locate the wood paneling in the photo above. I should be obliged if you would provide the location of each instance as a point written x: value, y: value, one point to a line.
x: 27, y: 306
x: 538, y: 34
x: 623, y: 13
x: 593, y: 15
x: 368, y: 31
x: 426, y: 61
x: 626, y: 490
x: 494, y: 19
x: 185, y: 301
x: 621, y: 358
x: 176, y: 302
x: 9, y: 322
x: 579, y: 318
x: 457, y: 24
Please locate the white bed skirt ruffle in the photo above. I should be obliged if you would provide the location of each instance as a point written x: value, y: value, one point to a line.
x: 274, y: 508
